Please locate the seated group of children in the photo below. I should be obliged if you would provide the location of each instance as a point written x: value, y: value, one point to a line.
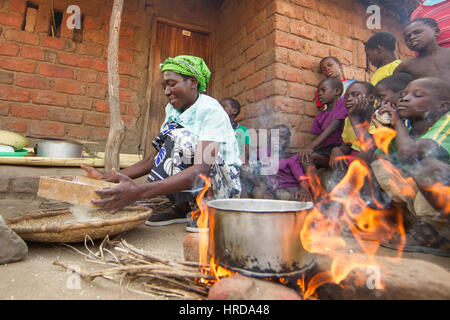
x: 411, y: 97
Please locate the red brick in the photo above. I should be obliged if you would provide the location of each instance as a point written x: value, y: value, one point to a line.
x: 327, y: 37
x: 126, y: 31
x: 28, y: 112
x: 256, y: 21
x: 98, y: 92
x: 306, y: 3
x: 74, y: 60
x: 6, y: 77
x: 32, y: 53
x: 280, y: 23
x: 95, y: 37
x: 125, y: 95
x: 65, y: 115
x: 345, y: 57
x: 268, y: 89
x: 255, y: 50
x: 126, y: 57
x: 329, y: 9
x: 302, y: 29
x: 51, y: 70
x: 315, y: 49
x: 315, y: 18
x: 14, y: 64
x: 246, y: 70
x: 78, y: 132
x: 93, y: 23
x: 285, y: 72
x: 22, y: 36
x: 98, y: 134
x: 66, y: 32
x: 80, y: 103
x: 8, y: 49
x: 100, y: 65
x: 255, y: 80
x: 102, y: 106
x: 33, y: 82
x: 301, y: 91
x: 70, y: 87
x: 94, y: 119
x: 50, y: 98
x: 14, y: 125
x: 90, y: 49
x: 18, y: 6
x: 126, y: 69
x: 50, y: 129
x: 311, y: 109
x: 342, y: 28
x: 285, y: 9
x: 10, y: 19
x: 87, y: 76
x: 13, y: 94
x: 287, y: 40
x: 54, y: 43
x: 312, y: 78
x: 127, y: 44
x: 4, y: 109
x: 43, y: 18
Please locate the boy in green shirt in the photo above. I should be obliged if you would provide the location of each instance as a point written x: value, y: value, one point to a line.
x: 232, y: 107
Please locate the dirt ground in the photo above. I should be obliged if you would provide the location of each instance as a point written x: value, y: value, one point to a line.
x: 37, y: 278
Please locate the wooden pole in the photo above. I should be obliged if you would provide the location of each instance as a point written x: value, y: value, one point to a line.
x: 117, y: 128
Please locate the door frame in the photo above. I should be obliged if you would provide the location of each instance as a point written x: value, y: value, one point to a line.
x: 145, y: 145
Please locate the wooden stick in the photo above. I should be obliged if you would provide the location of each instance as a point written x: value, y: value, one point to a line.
x: 117, y: 128
x: 82, y: 274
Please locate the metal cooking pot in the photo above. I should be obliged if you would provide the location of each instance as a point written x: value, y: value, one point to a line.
x: 58, y: 149
x: 259, y: 238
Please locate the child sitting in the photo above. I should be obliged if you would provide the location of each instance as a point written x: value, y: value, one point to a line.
x: 289, y: 182
x: 232, y: 107
x: 343, y: 155
x: 432, y: 60
x: 327, y: 125
x: 426, y: 103
x: 331, y: 67
x: 380, y: 52
x: 388, y: 91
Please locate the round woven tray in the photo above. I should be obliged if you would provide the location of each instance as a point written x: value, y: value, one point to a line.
x: 61, y: 226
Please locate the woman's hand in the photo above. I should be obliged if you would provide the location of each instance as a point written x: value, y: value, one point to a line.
x: 93, y: 173
x: 338, y: 160
x: 114, y: 199
x: 305, y: 155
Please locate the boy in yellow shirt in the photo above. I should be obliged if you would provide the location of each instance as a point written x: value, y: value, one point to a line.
x: 380, y: 52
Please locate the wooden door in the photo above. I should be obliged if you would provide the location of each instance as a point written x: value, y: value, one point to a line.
x: 170, y: 41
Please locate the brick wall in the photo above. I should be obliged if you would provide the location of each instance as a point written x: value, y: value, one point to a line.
x: 271, y: 50
x: 58, y: 86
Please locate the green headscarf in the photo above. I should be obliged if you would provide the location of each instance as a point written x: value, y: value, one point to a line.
x: 189, y: 66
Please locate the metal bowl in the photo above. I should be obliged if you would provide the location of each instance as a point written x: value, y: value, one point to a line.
x: 259, y: 238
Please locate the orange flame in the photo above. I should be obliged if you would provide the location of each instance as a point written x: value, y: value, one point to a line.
x: 206, y: 221
x: 345, y: 207
x: 441, y: 194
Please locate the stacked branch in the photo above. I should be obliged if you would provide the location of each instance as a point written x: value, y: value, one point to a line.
x: 155, y: 275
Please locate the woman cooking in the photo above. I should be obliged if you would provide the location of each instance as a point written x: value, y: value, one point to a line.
x: 196, y: 138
